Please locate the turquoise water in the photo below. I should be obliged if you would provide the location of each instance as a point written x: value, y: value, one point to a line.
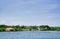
x: 30, y: 35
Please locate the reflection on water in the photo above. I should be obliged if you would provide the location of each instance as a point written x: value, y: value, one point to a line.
x: 30, y: 35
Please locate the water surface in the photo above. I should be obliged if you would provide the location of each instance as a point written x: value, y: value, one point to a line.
x: 30, y: 35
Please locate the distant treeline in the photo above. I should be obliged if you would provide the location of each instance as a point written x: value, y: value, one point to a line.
x: 29, y: 28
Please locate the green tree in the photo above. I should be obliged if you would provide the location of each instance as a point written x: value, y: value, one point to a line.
x: 44, y: 27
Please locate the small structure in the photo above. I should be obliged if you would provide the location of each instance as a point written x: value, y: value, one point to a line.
x: 10, y: 29
x: 39, y: 29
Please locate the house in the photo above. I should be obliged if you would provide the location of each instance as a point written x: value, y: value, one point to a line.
x: 10, y: 29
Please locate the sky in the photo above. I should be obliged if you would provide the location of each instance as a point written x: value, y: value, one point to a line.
x: 30, y: 12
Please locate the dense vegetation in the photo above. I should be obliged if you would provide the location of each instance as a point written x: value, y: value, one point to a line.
x: 30, y: 28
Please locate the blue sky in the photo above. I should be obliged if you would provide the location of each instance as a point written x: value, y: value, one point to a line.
x: 30, y: 12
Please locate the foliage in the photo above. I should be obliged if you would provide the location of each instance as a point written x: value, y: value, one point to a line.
x: 23, y: 28
x: 44, y: 27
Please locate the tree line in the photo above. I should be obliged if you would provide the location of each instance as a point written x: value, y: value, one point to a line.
x: 29, y: 28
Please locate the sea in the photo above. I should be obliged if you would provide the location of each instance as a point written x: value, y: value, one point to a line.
x: 30, y: 35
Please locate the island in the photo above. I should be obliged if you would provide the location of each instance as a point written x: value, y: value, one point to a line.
x: 4, y: 28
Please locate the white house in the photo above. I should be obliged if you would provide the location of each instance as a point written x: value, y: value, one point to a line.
x: 10, y: 29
